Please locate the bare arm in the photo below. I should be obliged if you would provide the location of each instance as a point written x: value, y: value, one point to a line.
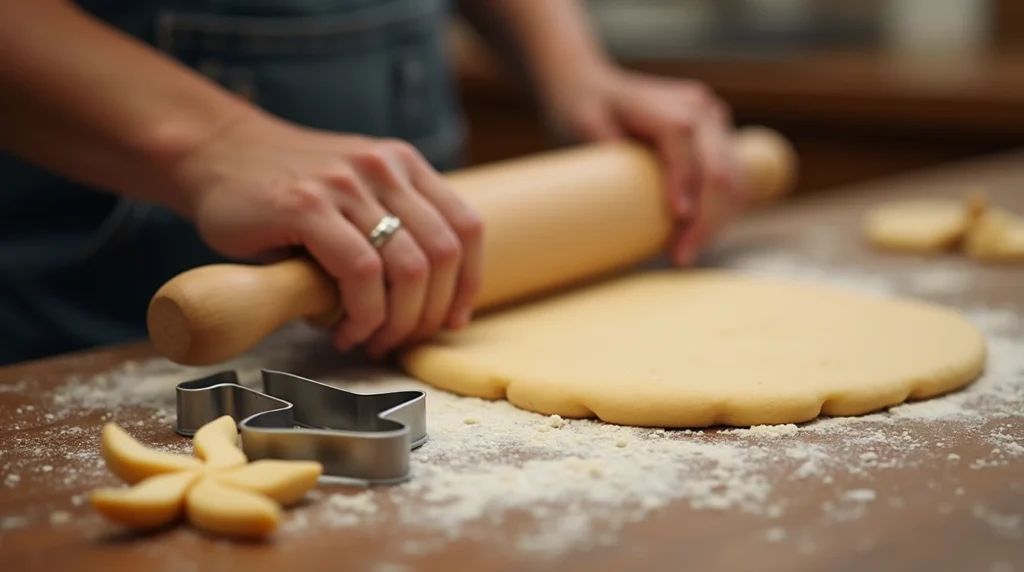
x: 550, y: 42
x: 586, y: 97
x: 80, y: 98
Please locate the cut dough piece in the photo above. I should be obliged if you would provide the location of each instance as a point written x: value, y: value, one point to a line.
x: 151, y: 503
x: 996, y: 235
x: 222, y: 496
x: 695, y: 349
x: 227, y: 511
x: 918, y: 226
x: 131, y: 462
x: 216, y: 443
x: 284, y: 481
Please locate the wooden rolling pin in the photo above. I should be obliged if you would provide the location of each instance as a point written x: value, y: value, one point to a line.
x: 550, y: 220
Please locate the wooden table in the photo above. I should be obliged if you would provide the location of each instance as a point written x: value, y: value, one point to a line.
x: 919, y: 489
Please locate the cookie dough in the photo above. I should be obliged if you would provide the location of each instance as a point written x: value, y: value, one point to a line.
x: 219, y: 492
x: 996, y: 235
x: 691, y: 348
x: 917, y: 226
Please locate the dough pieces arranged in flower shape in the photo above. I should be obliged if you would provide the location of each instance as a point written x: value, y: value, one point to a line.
x: 688, y: 348
x: 218, y: 491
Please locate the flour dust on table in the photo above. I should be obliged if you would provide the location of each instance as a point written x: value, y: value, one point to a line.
x: 573, y: 484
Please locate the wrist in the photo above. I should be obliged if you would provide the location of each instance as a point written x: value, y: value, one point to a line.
x: 573, y: 74
x: 176, y: 147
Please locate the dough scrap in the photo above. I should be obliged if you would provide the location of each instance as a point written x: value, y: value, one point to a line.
x: 703, y: 348
x: 220, y: 494
x: 981, y: 231
x: 996, y: 235
x: 917, y: 226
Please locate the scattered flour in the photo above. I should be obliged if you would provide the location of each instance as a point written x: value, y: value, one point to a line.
x: 942, y: 279
x: 578, y: 483
x: 1009, y: 525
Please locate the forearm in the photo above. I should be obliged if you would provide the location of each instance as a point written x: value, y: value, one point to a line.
x: 82, y: 99
x: 550, y: 41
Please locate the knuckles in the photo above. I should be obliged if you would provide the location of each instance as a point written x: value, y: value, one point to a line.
x: 302, y: 198
x: 345, y: 182
x: 413, y: 268
x: 469, y: 226
x: 404, y: 151
x: 444, y: 251
x: 368, y: 267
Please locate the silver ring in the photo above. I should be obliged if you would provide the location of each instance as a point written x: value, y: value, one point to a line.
x: 384, y: 230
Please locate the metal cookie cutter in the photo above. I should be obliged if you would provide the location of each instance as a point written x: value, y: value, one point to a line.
x: 361, y: 437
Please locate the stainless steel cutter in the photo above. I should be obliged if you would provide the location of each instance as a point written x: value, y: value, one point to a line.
x: 357, y: 437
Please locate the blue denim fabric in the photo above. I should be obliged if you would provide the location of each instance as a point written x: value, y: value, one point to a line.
x: 78, y: 266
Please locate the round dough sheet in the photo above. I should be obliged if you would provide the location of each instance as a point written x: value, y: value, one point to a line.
x: 702, y: 348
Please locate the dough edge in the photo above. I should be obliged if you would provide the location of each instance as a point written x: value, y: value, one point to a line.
x: 448, y: 370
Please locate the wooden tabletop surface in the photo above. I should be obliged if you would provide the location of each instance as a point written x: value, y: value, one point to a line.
x: 937, y: 485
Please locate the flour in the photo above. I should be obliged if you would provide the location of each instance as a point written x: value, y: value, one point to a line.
x: 575, y: 484
x: 1009, y: 525
x: 942, y: 279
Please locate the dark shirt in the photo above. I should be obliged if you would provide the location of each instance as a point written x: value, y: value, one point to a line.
x: 79, y: 265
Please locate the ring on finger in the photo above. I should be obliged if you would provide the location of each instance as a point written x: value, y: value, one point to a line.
x: 385, y: 229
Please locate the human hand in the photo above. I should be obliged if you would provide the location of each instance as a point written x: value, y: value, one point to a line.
x: 689, y: 127
x: 264, y: 185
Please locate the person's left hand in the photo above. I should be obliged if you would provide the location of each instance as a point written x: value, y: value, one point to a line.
x: 687, y: 125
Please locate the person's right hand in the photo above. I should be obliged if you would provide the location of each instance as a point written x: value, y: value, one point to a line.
x: 262, y: 185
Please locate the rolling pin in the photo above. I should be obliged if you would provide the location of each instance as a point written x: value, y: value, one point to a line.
x: 550, y: 220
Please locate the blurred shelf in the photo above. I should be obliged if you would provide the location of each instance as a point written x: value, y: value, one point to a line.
x: 852, y: 115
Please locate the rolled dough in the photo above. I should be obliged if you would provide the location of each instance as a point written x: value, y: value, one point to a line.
x: 701, y: 348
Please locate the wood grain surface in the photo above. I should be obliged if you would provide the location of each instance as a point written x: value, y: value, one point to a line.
x: 951, y: 502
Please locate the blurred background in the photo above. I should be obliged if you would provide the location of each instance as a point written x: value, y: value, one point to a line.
x: 863, y: 88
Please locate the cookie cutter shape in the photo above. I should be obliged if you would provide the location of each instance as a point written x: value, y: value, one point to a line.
x: 358, y: 437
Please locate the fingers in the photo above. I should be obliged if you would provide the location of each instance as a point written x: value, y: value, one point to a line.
x: 442, y: 252
x: 711, y: 157
x: 682, y: 172
x: 468, y: 228
x: 407, y: 273
x: 433, y: 264
x: 343, y: 251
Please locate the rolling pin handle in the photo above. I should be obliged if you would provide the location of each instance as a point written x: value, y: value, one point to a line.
x: 213, y: 313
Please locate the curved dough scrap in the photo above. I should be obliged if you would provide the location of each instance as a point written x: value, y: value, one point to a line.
x: 695, y: 349
x: 284, y: 481
x: 996, y: 235
x: 132, y: 462
x: 222, y: 510
x: 918, y: 226
x: 154, y: 502
x: 216, y: 443
x: 224, y: 495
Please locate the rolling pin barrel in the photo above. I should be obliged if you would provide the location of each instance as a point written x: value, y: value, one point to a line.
x: 551, y: 220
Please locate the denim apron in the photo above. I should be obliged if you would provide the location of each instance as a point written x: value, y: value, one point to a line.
x: 78, y: 266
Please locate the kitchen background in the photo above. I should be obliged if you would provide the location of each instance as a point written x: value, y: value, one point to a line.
x: 863, y: 88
